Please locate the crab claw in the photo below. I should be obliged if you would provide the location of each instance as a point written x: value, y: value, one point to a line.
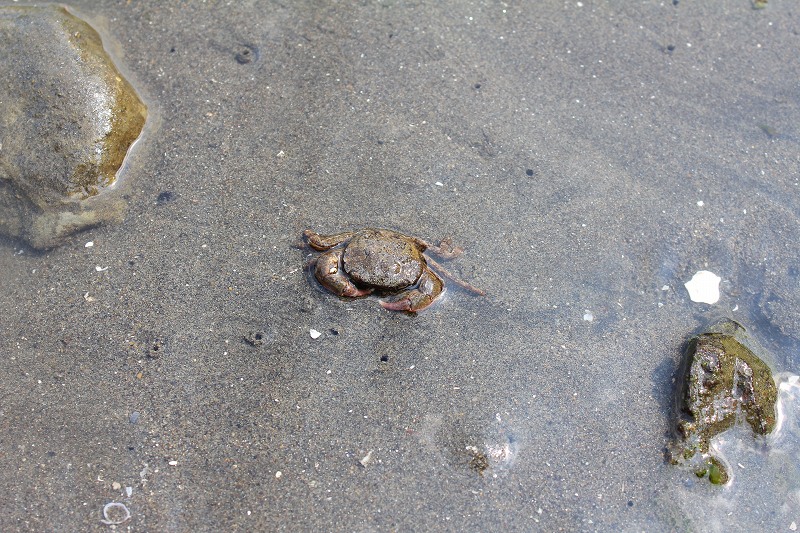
x: 328, y: 272
x: 325, y: 242
x: 427, y: 291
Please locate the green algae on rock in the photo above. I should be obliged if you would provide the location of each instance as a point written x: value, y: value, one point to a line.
x: 67, y: 120
x: 723, y: 383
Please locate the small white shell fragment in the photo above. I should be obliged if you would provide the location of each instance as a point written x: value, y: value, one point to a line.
x: 700, y: 203
x: 100, y: 269
x: 314, y: 334
x: 278, y: 474
x: 89, y: 244
x: 129, y: 491
x: 173, y: 463
x: 588, y: 316
x: 439, y: 184
x: 366, y: 459
x: 118, y: 509
x: 704, y: 287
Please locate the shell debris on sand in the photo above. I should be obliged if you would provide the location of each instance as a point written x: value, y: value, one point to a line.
x: 115, y: 513
x: 367, y: 459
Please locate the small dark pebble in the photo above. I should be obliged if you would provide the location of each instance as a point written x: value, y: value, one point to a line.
x: 334, y: 331
x: 630, y: 503
x: 477, y: 85
x: 156, y: 349
x: 529, y: 172
x: 670, y: 47
x: 384, y: 358
x: 134, y: 417
x: 165, y: 196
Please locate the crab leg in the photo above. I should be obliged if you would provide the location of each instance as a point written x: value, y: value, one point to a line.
x: 449, y: 275
x: 428, y: 289
x: 326, y: 242
x: 445, y: 250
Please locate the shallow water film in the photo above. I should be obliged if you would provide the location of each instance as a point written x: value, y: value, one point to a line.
x: 184, y: 370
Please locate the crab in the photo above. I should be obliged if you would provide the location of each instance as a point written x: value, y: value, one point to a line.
x: 358, y: 263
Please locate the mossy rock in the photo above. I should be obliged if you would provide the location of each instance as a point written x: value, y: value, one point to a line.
x: 723, y: 383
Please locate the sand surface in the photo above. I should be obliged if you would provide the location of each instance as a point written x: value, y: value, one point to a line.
x: 589, y: 157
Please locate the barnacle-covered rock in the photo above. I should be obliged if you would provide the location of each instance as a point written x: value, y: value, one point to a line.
x: 723, y: 382
x: 67, y: 120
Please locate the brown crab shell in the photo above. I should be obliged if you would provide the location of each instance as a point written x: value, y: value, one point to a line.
x: 383, y: 259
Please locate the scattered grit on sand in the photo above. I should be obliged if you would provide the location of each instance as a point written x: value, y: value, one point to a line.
x: 589, y: 158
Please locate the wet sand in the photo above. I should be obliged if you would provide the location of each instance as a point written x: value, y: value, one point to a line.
x: 589, y: 158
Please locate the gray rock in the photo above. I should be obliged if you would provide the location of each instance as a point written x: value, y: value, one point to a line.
x: 67, y: 120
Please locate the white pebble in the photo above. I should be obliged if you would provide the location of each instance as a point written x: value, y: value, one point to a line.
x: 366, y: 459
x: 89, y: 244
x: 278, y: 474
x: 704, y: 287
x: 588, y: 316
x: 314, y: 334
